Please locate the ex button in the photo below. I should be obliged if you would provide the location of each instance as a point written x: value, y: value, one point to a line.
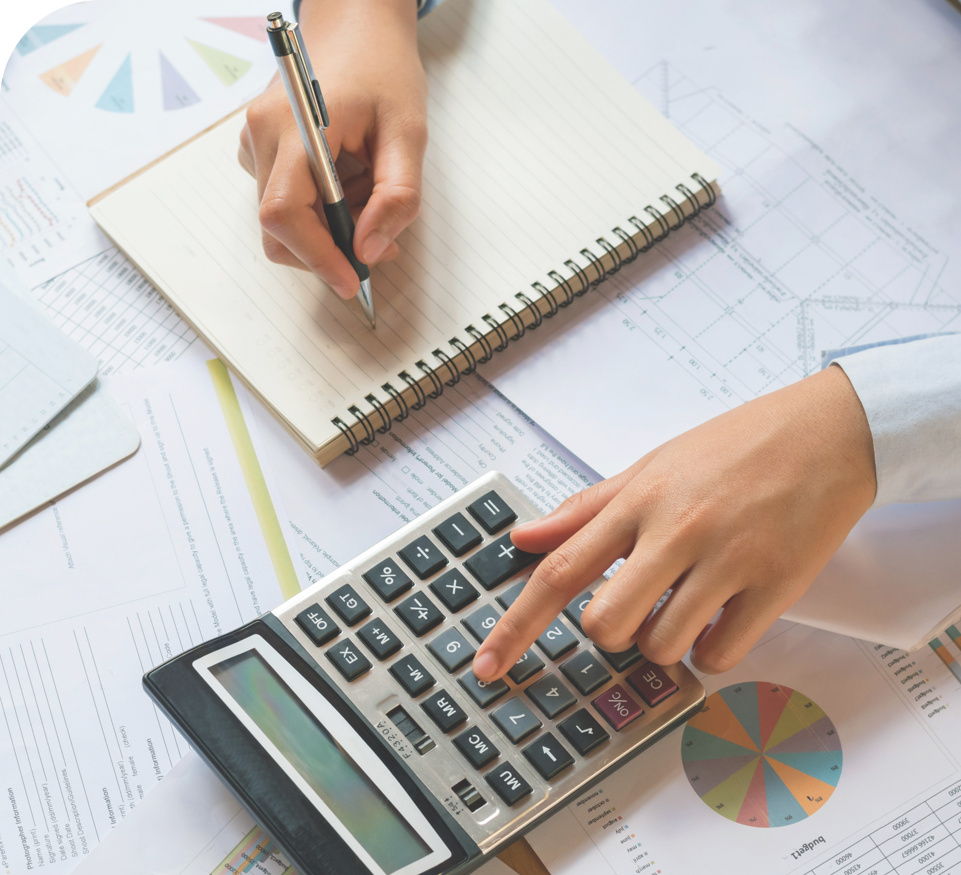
x: 350, y: 662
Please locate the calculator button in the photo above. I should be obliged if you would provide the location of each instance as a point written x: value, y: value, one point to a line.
x: 583, y: 731
x: 467, y: 793
x: 516, y: 720
x: 484, y: 693
x: 389, y: 579
x: 509, y: 595
x: 652, y: 682
x: 477, y: 747
x: 444, y: 711
x: 424, y: 556
x: 556, y: 640
x: 350, y: 662
x: 454, y: 590
x: 349, y: 606
x: 551, y: 696
x: 481, y: 622
x: 622, y: 660
x: 585, y: 672
x: 458, y: 535
x: 498, y: 561
x: 548, y: 757
x: 492, y: 512
x: 411, y: 675
x: 379, y: 639
x: 617, y: 707
x: 576, y: 607
x: 419, y: 614
x: 509, y: 785
x: 525, y: 667
x: 451, y: 649
x: 317, y: 624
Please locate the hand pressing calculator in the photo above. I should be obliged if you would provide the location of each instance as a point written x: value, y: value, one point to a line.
x: 349, y: 724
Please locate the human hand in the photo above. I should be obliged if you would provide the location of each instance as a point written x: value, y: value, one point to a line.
x: 364, y: 54
x: 739, y: 514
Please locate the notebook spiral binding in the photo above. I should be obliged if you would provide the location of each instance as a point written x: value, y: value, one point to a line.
x: 378, y: 420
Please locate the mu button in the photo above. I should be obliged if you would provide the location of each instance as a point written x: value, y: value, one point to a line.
x: 508, y: 784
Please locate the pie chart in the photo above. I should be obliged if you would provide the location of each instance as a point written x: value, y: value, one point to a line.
x: 762, y: 755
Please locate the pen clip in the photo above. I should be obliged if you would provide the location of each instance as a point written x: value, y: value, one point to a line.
x: 306, y: 72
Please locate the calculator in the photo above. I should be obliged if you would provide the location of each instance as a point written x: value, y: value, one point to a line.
x: 350, y: 726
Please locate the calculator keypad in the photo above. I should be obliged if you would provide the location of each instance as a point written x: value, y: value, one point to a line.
x: 419, y: 614
x: 454, y: 590
x: 586, y: 672
x: 451, y: 649
x: 576, y: 608
x: 617, y: 707
x: 423, y: 556
x: 525, y: 667
x: 492, y: 512
x: 349, y: 606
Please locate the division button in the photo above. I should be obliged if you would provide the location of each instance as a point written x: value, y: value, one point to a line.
x: 556, y: 640
x: 498, y: 561
x: 550, y: 696
x: 548, y: 757
x: 379, y: 639
x: 477, y: 747
x: 388, y: 579
x: 481, y: 621
x: 586, y: 672
x: 424, y: 556
x: 492, y: 512
x: 617, y: 707
x: 525, y: 667
x: 411, y: 675
x: 508, y: 784
x: 652, y: 682
x: 484, y: 693
x: 575, y: 608
x: 317, y: 624
x: 350, y: 662
x: 509, y: 595
x: 583, y: 731
x: 349, y: 606
x: 622, y: 660
x: 454, y: 590
x: 458, y: 535
x: 451, y: 649
x: 516, y: 720
x: 419, y: 614
x: 444, y: 711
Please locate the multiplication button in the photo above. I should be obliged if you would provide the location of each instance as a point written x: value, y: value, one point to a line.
x: 388, y: 579
x: 454, y: 590
x: 583, y: 731
x: 515, y: 720
x: 423, y: 556
x: 349, y: 606
x: 451, y: 649
x: 508, y: 784
x: 350, y: 662
x: 317, y: 624
x: 458, y: 535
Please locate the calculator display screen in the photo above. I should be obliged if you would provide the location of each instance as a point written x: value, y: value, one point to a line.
x: 310, y: 749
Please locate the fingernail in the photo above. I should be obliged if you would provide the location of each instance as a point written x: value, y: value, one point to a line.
x: 374, y: 246
x: 485, y: 665
x: 344, y: 292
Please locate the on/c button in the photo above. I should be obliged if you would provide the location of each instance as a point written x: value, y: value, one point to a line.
x: 617, y: 707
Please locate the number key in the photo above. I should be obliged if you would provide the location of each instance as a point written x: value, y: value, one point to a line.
x: 484, y: 693
x: 585, y: 672
x: 556, y: 640
x: 480, y: 623
x: 576, y: 608
x: 451, y: 649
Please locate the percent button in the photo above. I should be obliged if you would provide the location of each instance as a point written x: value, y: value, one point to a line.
x: 388, y: 579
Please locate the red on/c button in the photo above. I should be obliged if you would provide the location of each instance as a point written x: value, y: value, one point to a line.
x: 617, y: 707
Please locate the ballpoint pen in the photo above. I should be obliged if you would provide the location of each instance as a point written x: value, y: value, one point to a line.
x: 307, y: 102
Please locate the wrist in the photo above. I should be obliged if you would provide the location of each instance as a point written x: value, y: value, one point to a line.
x: 322, y: 18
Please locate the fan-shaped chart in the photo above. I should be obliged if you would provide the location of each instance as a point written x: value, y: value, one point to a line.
x: 762, y: 755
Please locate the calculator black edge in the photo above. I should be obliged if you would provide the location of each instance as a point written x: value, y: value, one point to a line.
x: 227, y: 747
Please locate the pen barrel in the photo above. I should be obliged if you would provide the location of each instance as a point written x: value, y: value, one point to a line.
x: 341, y: 224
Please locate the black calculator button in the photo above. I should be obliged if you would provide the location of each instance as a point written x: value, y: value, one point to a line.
x: 419, y: 613
x: 424, y: 556
x: 492, y: 512
x: 509, y: 595
x: 451, y: 649
x: 350, y: 662
x: 585, y: 672
x: 379, y: 639
x: 477, y: 747
x: 498, y: 561
x: 556, y: 640
x: 583, y: 731
x: 317, y: 624
x: 525, y: 667
x: 454, y: 590
x: 622, y: 660
x: 411, y: 675
x: 575, y: 608
x: 551, y: 696
x: 458, y: 535
x: 515, y: 720
x: 548, y: 757
x: 508, y: 784
x: 481, y: 621
x: 484, y: 693
x: 349, y: 606
x: 389, y: 579
x: 444, y: 711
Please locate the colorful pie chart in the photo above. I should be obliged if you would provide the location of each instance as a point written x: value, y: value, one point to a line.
x: 762, y: 755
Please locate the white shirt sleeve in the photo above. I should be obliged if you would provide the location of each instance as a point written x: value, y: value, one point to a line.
x: 911, y: 393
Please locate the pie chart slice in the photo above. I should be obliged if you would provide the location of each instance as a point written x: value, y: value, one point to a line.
x: 762, y: 755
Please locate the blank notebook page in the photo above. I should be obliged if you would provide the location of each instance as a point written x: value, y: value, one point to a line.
x: 537, y: 148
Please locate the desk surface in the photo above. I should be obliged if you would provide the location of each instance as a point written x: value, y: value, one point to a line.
x: 521, y: 858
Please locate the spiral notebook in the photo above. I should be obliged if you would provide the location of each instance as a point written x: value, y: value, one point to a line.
x: 545, y: 173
